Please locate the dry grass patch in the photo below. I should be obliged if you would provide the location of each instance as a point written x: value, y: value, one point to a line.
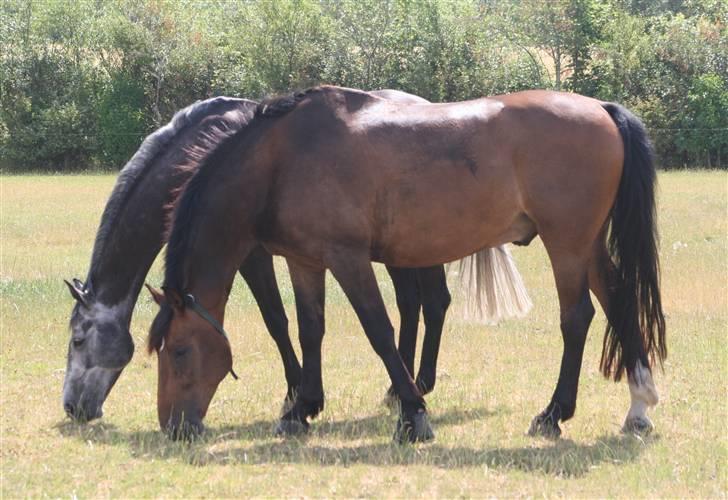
x: 492, y: 381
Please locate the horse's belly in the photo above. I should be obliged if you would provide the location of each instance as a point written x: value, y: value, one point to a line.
x: 436, y: 247
x: 449, y: 231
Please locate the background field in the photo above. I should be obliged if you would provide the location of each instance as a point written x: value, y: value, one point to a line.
x: 492, y: 381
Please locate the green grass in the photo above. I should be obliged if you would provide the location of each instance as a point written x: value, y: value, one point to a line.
x: 492, y: 381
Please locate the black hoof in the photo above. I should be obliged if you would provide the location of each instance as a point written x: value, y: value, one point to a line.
x: 291, y: 427
x: 640, y: 426
x: 545, y: 426
x: 416, y: 431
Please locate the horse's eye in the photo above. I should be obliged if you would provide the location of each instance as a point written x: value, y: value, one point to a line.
x: 78, y: 342
x: 180, y: 352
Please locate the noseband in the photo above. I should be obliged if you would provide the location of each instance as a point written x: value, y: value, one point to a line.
x: 204, y: 314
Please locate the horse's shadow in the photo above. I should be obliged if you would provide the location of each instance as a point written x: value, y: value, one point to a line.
x: 221, y: 445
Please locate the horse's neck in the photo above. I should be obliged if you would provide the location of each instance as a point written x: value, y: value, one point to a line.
x: 224, y: 232
x: 135, y: 238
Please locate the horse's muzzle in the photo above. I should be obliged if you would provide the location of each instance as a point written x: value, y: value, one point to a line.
x: 82, y: 413
x: 185, y: 431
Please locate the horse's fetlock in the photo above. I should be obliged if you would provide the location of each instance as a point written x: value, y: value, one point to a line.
x: 567, y: 411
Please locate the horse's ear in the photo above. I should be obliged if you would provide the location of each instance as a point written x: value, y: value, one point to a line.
x: 77, y: 292
x: 174, y: 298
x: 157, y: 295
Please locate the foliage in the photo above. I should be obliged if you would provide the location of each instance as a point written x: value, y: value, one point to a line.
x: 81, y: 82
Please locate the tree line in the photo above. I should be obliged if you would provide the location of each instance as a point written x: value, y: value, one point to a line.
x: 83, y: 81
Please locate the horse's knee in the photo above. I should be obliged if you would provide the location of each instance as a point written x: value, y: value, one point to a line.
x: 444, y: 299
x: 278, y: 323
x: 408, y: 303
x: 575, y: 323
x: 436, y: 305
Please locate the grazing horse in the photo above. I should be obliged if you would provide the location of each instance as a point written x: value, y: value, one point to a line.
x: 335, y: 178
x: 131, y: 234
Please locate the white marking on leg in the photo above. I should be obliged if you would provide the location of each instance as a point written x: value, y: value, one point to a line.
x: 641, y: 385
x: 643, y: 394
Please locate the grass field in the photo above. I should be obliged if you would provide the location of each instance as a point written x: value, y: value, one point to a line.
x: 492, y: 381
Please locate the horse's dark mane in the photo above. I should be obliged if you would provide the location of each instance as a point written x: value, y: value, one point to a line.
x: 205, y: 156
x: 208, y: 155
x: 137, y: 168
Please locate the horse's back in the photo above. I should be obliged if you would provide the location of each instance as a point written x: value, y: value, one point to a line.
x: 498, y: 166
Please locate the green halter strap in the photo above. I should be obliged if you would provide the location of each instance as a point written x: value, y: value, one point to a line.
x: 204, y: 314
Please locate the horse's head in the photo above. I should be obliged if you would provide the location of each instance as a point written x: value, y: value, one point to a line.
x: 99, y: 349
x: 193, y: 358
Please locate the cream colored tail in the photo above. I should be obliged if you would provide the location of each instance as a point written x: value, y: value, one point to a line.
x: 493, y: 287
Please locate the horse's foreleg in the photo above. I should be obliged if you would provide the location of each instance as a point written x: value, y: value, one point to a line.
x: 408, y: 304
x: 309, y: 290
x: 570, y: 273
x: 643, y: 394
x: 356, y: 277
x: 435, y: 301
x: 257, y: 270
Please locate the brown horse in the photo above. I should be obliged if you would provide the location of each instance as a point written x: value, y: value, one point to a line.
x: 131, y: 234
x: 335, y: 178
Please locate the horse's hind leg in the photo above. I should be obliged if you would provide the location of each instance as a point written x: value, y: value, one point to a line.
x: 257, y: 270
x: 356, y: 277
x: 309, y: 290
x: 407, y: 292
x: 570, y: 272
x: 643, y: 394
x: 435, y: 301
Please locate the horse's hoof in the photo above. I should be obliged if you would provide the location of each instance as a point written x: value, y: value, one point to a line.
x: 291, y: 427
x: 544, y: 427
x: 417, y: 431
x: 640, y: 426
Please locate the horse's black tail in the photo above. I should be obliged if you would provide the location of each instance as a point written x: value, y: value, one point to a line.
x: 636, y: 329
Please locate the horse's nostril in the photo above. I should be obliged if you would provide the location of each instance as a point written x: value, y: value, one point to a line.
x: 70, y: 409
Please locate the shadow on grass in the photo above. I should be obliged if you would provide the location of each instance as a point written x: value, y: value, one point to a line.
x: 352, y: 429
x: 563, y: 458
x: 222, y: 445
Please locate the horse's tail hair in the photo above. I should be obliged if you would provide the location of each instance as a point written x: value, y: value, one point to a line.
x: 635, y: 307
x: 494, y: 288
